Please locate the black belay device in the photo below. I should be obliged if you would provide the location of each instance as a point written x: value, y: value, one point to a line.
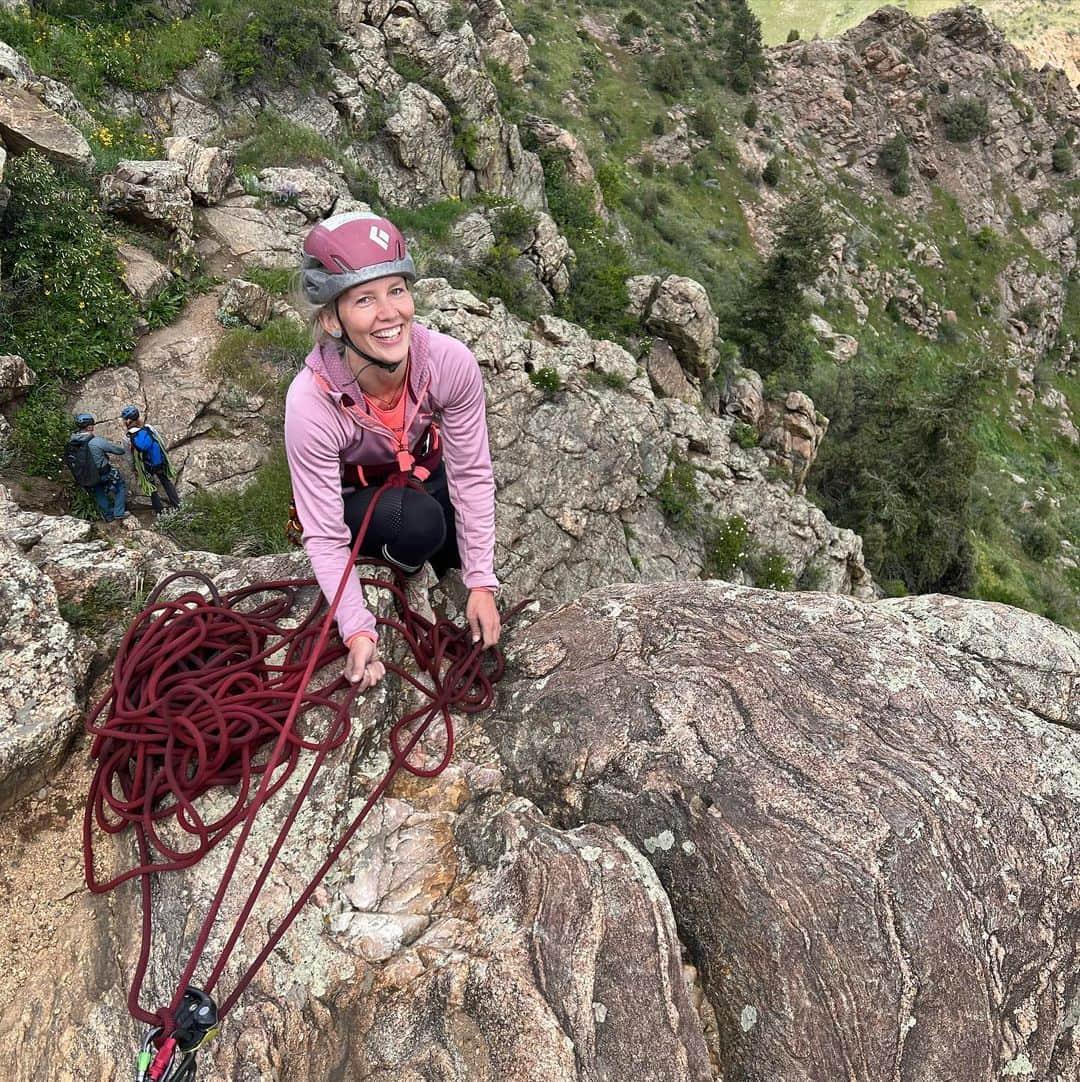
x: 174, y: 1061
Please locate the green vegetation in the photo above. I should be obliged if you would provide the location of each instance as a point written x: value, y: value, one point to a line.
x: 547, y: 380
x: 103, y: 606
x: 678, y: 492
x: 263, y: 361
x: 770, y: 325
x: 63, y: 307
x: 965, y: 118
x: 727, y: 547
x: 248, y: 523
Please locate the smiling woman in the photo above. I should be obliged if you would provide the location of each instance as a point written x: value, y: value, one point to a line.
x: 381, y: 395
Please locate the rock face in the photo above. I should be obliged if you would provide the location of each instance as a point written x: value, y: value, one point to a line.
x: 25, y: 123
x: 838, y: 798
x: 40, y: 673
x: 578, y: 471
x: 699, y: 819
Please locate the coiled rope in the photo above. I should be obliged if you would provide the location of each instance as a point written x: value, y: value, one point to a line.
x: 202, y: 685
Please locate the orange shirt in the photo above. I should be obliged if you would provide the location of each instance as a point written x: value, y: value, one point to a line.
x: 393, y: 418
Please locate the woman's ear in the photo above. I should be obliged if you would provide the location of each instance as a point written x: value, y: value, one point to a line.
x: 329, y: 324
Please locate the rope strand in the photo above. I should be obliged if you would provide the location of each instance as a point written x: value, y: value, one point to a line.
x: 203, y: 685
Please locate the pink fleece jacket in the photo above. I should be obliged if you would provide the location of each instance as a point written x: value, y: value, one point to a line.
x: 445, y: 385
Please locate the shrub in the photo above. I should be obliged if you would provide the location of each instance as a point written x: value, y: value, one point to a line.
x: 772, y: 572
x: 727, y: 547
x: 851, y: 94
x: 669, y: 74
x: 1061, y: 158
x: 746, y: 436
x: 987, y: 240
x: 703, y: 121
x: 40, y: 430
x: 646, y: 165
x: 64, y: 307
x: 965, y: 118
x: 750, y: 114
x: 1038, y: 541
x: 503, y: 274
x: 772, y: 171
x: 901, y: 184
x: 793, y: 35
x: 274, y: 40
x: 659, y: 125
x: 545, y: 379
x: 678, y: 492
x: 893, y: 156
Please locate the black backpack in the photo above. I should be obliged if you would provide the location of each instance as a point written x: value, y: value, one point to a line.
x: 79, y: 459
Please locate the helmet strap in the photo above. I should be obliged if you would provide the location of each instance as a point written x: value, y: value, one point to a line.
x: 386, y: 366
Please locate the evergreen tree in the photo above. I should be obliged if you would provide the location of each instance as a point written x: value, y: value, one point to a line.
x: 744, y: 55
x: 898, y: 466
x: 771, y: 325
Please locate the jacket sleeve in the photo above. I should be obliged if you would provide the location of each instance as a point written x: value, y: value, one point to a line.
x: 468, y: 467
x: 313, y: 444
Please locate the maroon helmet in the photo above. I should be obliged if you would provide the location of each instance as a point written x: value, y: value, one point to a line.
x: 347, y: 250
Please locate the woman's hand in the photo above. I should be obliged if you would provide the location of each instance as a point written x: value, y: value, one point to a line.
x: 362, y: 666
x: 483, y: 617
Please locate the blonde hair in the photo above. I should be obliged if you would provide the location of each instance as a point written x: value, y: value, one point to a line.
x: 312, y: 315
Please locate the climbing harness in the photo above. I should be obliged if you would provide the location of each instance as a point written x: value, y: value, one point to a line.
x: 204, y: 683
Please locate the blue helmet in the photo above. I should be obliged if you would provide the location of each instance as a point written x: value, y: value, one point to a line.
x: 84, y: 420
x: 129, y: 413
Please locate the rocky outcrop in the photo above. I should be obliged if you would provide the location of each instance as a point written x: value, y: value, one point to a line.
x: 836, y: 796
x: 625, y: 873
x: 16, y: 377
x: 793, y: 433
x: 246, y: 301
x: 207, y: 170
x: 40, y: 676
x: 578, y: 496
x: 27, y: 124
x: 678, y: 309
x: 153, y: 194
x: 143, y: 275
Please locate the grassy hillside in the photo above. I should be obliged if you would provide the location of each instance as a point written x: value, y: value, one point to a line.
x: 1049, y: 30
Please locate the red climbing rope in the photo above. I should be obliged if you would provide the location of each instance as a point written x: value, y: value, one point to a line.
x: 203, y: 685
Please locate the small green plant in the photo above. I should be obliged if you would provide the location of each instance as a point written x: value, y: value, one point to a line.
x: 104, y: 605
x: 750, y: 114
x: 168, y: 304
x: 275, y: 280
x: 772, y: 171
x: 1061, y: 159
x: 727, y: 547
x: 257, y: 361
x: 893, y: 156
x: 965, y: 118
x: 793, y: 35
x: 678, y: 492
x: 746, y: 436
x: 771, y: 571
x: 546, y: 379
x: 850, y: 93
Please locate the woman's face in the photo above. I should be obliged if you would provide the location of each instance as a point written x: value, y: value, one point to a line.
x: 378, y: 317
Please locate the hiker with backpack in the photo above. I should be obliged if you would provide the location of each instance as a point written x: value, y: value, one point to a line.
x: 87, y: 457
x: 150, y: 460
